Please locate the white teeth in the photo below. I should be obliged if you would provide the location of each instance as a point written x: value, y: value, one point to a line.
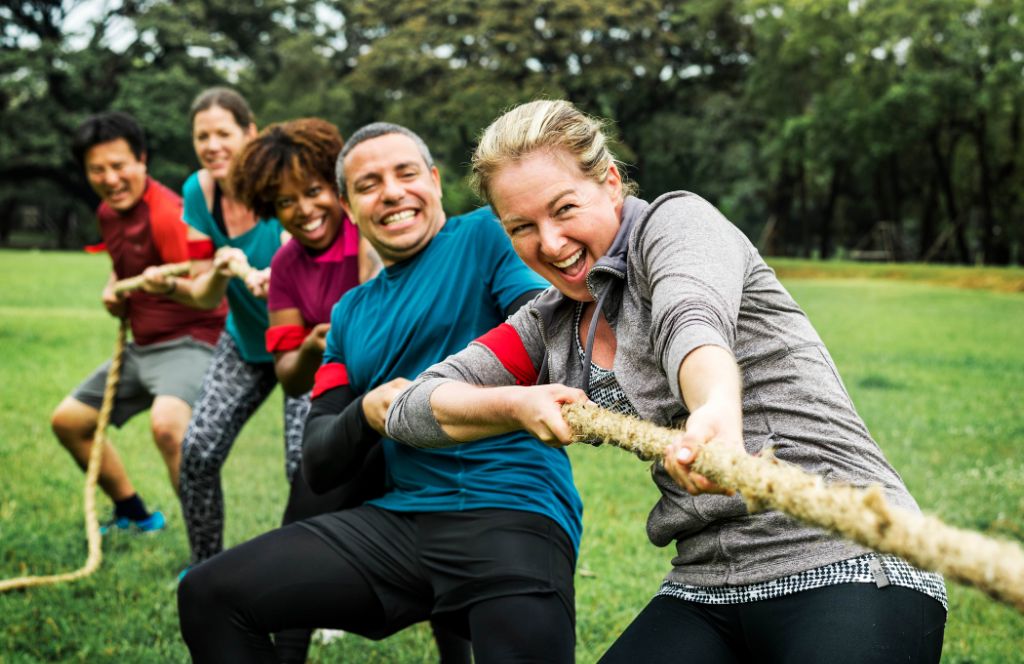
x: 561, y: 265
x: 398, y: 216
x: 313, y: 225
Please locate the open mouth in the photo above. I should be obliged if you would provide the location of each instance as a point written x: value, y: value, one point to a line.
x: 572, y: 265
x: 217, y: 165
x: 312, y: 225
x: 398, y: 217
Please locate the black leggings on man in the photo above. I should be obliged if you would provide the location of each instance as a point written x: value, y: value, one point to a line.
x: 499, y: 577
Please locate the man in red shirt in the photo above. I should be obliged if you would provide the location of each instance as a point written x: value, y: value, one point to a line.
x: 163, y: 366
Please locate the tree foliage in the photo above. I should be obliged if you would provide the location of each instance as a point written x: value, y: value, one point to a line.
x: 821, y: 127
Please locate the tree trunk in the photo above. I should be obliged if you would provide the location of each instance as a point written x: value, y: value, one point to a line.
x: 988, y: 222
x: 829, y: 210
x: 896, y: 206
x: 927, y: 235
x: 945, y: 181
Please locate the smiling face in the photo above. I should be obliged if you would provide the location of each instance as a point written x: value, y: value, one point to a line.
x: 309, y: 209
x: 217, y: 138
x: 560, y: 220
x: 116, y: 175
x: 393, y: 196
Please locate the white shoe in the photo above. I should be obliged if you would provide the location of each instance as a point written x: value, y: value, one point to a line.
x: 325, y: 636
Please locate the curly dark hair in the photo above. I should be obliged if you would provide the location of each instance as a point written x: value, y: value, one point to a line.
x: 285, y: 151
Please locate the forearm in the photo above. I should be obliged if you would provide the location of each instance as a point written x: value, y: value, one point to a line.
x: 178, y: 289
x: 442, y: 413
x: 107, y: 295
x: 467, y: 412
x: 335, y: 440
x: 204, y: 291
x: 296, y: 369
x: 709, y: 376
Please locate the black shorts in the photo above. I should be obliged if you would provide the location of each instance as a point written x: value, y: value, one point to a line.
x: 437, y: 564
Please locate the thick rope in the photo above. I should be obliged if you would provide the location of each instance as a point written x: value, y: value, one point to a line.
x: 92, y: 473
x: 863, y: 515
x: 135, y: 283
x: 239, y: 268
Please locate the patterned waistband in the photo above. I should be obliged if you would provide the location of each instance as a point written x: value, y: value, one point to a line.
x: 869, y: 568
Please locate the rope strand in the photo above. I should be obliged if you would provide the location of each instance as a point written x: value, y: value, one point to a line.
x: 993, y: 566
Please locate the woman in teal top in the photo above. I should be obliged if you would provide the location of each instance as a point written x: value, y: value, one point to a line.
x: 247, y: 318
x: 241, y: 373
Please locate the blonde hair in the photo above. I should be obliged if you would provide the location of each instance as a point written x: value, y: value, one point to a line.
x: 544, y: 125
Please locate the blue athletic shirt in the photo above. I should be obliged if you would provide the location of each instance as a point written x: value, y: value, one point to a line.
x: 247, y: 315
x: 413, y: 315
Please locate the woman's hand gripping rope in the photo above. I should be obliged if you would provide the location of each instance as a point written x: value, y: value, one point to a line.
x: 232, y: 262
x: 862, y: 515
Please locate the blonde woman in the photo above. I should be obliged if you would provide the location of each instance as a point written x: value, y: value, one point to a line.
x: 664, y: 310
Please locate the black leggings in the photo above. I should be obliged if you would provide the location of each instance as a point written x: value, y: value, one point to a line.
x: 855, y: 623
x: 289, y: 578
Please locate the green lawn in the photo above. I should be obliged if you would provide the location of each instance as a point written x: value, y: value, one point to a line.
x: 937, y: 373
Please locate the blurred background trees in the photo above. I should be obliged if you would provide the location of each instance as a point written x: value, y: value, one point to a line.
x: 823, y: 128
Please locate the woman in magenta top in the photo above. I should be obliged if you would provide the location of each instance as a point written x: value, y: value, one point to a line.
x: 287, y: 172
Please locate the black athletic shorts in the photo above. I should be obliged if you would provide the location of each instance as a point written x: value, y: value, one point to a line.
x: 437, y: 564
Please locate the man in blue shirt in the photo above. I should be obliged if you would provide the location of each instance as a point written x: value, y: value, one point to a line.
x: 481, y: 537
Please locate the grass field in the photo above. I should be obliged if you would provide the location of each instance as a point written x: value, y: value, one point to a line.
x: 937, y: 373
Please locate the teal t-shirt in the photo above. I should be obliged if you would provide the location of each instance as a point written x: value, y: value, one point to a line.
x: 418, y: 312
x: 247, y: 316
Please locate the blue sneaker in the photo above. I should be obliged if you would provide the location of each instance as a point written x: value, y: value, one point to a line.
x: 153, y: 523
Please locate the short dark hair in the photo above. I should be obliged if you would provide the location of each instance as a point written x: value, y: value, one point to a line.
x: 106, y: 127
x: 227, y: 99
x: 296, y: 149
x: 374, y: 130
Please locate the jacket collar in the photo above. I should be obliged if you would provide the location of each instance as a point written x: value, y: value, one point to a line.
x: 615, y: 258
x: 613, y: 262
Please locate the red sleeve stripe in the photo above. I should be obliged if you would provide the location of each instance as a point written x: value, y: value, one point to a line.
x: 505, y: 343
x: 328, y: 377
x: 283, y: 338
x: 200, y: 249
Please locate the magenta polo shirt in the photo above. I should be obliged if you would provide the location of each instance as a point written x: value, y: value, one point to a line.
x: 312, y: 282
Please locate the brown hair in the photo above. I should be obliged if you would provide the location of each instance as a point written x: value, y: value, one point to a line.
x: 227, y: 99
x: 284, y: 151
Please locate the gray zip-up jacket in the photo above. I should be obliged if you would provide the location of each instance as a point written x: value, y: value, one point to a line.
x: 679, y: 276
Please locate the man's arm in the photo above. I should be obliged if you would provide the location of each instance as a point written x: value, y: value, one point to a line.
x: 339, y: 434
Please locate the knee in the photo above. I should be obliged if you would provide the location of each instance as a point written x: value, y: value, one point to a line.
x: 168, y: 420
x: 70, y: 424
x: 192, y: 596
x: 60, y: 425
x: 201, y: 597
x: 167, y: 436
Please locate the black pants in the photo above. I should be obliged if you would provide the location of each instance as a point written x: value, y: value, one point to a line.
x: 854, y: 623
x: 291, y: 578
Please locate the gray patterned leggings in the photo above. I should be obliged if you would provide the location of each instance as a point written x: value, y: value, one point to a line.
x: 232, y: 391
